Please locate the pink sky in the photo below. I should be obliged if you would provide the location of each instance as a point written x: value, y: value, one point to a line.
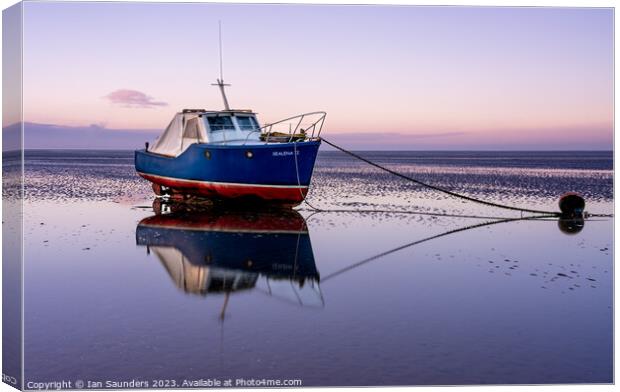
x: 448, y: 75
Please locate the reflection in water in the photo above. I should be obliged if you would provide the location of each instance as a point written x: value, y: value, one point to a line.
x: 212, y: 250
x: 207, y: 250
x: 571, y: 224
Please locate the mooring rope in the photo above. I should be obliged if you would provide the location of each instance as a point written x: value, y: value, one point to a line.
x: 436, y: 188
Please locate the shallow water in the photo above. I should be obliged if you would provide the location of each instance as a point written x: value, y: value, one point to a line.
x: 330, y: 298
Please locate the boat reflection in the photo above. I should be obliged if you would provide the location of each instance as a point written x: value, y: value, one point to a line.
x: 217, y: 250
x: 211, y: 250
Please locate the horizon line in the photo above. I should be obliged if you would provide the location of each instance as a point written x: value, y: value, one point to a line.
x: 334, y: 150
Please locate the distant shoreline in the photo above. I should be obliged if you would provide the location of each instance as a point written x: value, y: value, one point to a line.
x: 330, y: 151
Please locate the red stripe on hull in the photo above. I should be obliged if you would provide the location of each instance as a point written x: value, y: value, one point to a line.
x: 231, y: 191
x: 270, y: 222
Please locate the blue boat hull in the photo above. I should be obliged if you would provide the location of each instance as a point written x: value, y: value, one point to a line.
x: 266, y: 172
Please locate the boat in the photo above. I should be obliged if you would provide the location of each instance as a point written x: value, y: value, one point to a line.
x: 227, y: 155
x: 210, y: 251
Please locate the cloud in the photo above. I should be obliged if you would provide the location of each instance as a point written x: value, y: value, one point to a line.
x: 99, y: 125
x: 133, y: 99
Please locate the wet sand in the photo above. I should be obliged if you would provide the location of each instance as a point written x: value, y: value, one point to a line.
x: 350, y: 298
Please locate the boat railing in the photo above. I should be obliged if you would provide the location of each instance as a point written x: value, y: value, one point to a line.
x: 307, y: 126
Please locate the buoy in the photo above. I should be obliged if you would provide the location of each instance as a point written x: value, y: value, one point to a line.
x: 571, y: 224
x: 572, y: 204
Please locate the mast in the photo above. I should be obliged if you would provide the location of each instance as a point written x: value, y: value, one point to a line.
x: 224, y: 306
x: 220, y: 82
x: 221, y: 85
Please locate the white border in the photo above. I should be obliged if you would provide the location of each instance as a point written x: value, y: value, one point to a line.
x: 487, y: 3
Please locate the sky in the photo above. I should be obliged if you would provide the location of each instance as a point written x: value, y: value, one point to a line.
x: 408, y: 76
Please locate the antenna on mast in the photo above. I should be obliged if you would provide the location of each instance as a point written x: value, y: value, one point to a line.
x: 219, y: 22
x: 220, y: 82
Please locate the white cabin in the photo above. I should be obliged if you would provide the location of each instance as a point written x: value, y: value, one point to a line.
x: 229, y: 127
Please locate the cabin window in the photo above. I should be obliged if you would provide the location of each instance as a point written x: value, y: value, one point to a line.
x: 247, y: 123
x: 220, y: 123
x: 192, y: 129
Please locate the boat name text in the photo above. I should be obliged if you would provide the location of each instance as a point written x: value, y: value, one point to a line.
x: 283, y: 153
